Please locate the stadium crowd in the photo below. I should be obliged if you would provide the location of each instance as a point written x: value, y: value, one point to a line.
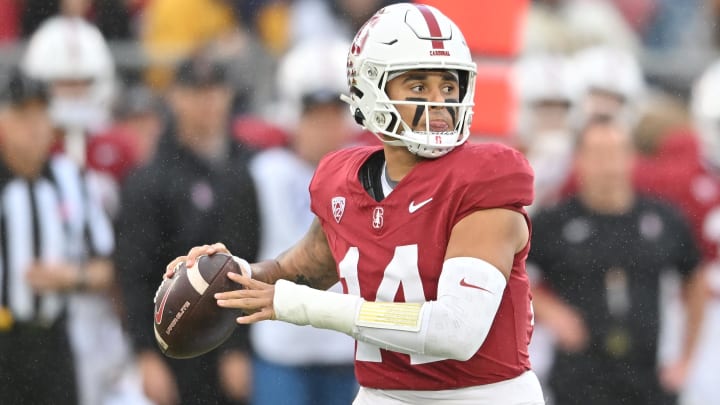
x: 188, y: 121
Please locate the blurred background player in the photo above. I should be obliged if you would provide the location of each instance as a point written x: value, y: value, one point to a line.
x: 685, y: 170
x: 81, y: 78
x: 83, y: 86
x: 197, y: 187
x: 55, y: 242
x: 72, y: 58
x: 598, y: 256
x: 313, y: 366
x: 547, y: 88
x: 612, y: 84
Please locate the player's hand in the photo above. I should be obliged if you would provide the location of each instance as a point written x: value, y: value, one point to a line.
x: 673, y: 375
x: 45, y: 277
x: 193, y: 255
x: 255, y: 300
x: 569, y: 329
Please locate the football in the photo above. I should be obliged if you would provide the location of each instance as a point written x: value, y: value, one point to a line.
x: 187, y: 320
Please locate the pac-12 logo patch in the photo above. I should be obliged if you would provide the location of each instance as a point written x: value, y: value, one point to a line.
x: 338, y: 208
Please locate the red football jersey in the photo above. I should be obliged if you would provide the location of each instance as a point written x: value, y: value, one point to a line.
x: 394, y: 250
x: 676, y: 173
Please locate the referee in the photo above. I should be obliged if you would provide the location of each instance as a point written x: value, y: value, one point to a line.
x: 52, y: 243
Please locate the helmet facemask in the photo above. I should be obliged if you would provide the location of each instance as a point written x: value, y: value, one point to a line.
x: 425, y: 142
x: 385, y: 121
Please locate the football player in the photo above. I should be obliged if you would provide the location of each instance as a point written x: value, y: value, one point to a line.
x: 694, y: 159
x: 612, y: 84
x: 426, y: 233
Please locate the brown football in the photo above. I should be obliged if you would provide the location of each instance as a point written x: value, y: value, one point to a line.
x: 188, y: 322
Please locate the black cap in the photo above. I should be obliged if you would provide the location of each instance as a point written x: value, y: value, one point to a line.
x: 199, y: 71
x: 20, y: 89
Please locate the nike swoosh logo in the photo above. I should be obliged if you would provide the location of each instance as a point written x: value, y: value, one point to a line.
x: 464, y: 283
x: 414, y: 207
x: 161, y: 308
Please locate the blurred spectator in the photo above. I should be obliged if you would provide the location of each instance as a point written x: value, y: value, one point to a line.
x: 250, y: 69
x: 565, y: 26
x: 601, y: 254
x: 54, y: 240
x: 112, y: 17
x: 196, y: 188
x: 314, y: 366
x: 329, y: 18
x: 668, y: 22
x: 174, y: 29
x: 266, y: 19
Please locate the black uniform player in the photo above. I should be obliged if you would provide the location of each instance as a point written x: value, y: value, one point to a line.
x: 602, y: 253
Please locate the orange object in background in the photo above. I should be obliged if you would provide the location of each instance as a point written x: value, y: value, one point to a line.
x: 495, y: 102
x: 492, y: 28
x: 493, y: 31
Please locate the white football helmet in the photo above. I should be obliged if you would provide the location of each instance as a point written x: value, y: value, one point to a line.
x: 314, y: 68
x: 70, y: 49
x: 543, y: 78
x: 612, y: 71
x: 399, y: 38
x: 705, y: 110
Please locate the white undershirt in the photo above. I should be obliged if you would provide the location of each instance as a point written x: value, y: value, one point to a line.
x: 387, y: 185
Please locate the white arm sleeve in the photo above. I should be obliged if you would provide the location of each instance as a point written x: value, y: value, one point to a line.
x: 454, y: 326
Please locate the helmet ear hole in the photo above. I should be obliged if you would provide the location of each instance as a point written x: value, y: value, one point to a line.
x: 393, y: 122
x: 463, y: 80
x: 354, y: 90
x: 359, y: 117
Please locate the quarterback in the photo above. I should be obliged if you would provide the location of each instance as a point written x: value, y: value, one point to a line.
x: 427, y: 234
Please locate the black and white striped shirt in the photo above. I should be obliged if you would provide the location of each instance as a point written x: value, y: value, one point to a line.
x: 53, y: 218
